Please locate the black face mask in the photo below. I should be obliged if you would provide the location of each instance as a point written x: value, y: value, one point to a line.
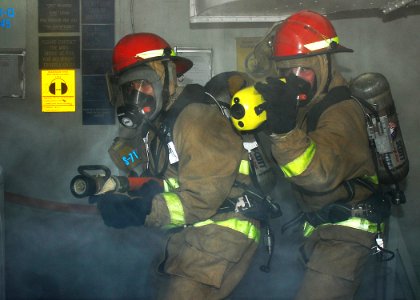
x: 305, y: 88
x: 137, y: 106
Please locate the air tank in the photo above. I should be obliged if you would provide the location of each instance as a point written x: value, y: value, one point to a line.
x: 385, y: 130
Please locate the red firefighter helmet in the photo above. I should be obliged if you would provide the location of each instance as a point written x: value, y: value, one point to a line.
x: 139, y: 48
x: 305, y: 33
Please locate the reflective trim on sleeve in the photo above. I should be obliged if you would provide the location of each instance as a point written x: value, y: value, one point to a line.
x: 301, y: 163
x: 170, y: 184
x: 356, y: 223
x: 242, y: 226
x: 244, y: 167
x: 176, y: 210
x: 374, y: 179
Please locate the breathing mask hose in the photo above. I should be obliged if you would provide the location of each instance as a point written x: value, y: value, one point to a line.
x: 156, y: 150
x: 269, y: 244
x: 160, y: 133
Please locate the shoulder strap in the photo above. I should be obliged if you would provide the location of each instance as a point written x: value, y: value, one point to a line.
x: 334, y: 96
x: 192, y: 93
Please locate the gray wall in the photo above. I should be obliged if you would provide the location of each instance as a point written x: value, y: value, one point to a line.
x: 39, y: 152
x: 2, y: 239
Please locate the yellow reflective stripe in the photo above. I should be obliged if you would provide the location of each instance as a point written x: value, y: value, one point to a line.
x: 374, y: 179
x: 176, y: 210
x: 153, y: 53
x: 242, y: 226
x: 308, y: 229
x: 356, y: 223
x: 170, y: 184
x: 299, y: 164
x: 321, y: 44
x: 244, y: 167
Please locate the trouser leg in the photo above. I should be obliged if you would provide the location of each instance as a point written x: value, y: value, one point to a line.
x: 319, y: 286
x: 180, y: 288
x: 335, y: 261
x: 234, y: 274
x: 177, y: 287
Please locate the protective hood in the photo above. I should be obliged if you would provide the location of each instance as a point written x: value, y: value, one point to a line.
x: 319, y: 64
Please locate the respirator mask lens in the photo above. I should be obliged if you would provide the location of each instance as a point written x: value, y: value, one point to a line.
x: 305, y: 73
x: 139, y: 103
x: 307, y: 79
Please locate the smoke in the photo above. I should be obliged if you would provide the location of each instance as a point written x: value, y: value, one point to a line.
x: 58, y: 255
x: 53, y: 255
x: 41, y: 154
x: 61, y: 255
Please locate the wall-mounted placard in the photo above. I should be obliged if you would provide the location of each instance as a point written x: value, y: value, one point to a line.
x: 97, y: 46
x: 96, y: 107
x: 98, y: 11
x: 98, y: 36
x: 59, y: 52
x: 58, y: 90
x: 58, y: 16
x: 94, y: 88
x: 96, y: 61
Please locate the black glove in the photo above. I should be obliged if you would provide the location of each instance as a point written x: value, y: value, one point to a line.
x: 148, y: 190
x: 281, y: 102
x: 120, y: 211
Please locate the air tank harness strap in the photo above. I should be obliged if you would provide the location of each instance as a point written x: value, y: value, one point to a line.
x: 334, y: 96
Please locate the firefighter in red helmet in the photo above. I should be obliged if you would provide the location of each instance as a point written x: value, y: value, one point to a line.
x: 193, y: 148
x: 320, y: 142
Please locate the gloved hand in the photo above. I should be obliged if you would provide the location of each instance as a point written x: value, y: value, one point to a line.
x: 120, y: 211
x: 281, y: 102
x: 148, y: 190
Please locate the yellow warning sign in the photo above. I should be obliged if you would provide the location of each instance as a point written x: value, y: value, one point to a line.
x: 58, y: 90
